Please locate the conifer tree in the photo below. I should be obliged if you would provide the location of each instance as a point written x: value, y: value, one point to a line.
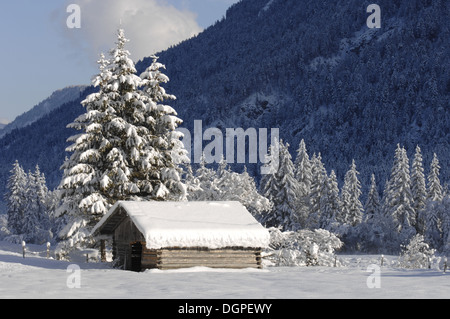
x: 434, y: 184
x: 37, y: 226
x: 318, y: 178
x: 432, y: 214
x: 269, y: 184
x: 372, y: 206
x: 303, y: 175
x: 433, y: 231
x: 281, y: 188
x: 371, y: 230
x: 28, y: 201
x: 127, y: 148
x: 285, y: 202
x: 82, y: 189
x: 418, y: 189
x: 352, y: 209
x: 330, y: 204
x: 398, y: 202
x: 166, y: 141
x: 16, y: 198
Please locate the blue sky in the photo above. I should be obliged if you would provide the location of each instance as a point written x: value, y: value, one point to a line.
x: 40, y: 54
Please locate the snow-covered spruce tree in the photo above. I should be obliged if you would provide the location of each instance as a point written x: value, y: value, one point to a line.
x: 285, y: 202
x: 28, y: 203
x: 258, y: 205
x: 433, y: 224
x: 352, y: 208
x: 82, y: 193
x: 370, y: 230
x: 126, y: 151
x: 330, y: 204
x: 351, y: 212
x: 281, y: 188
x: 303, y: 175
x: 15, y: 198
x: 398, y: 201
x: 418, y: 189
x: 434, y: 184
x: 319, y: 177
x: 431, y: 214
x: 372, y: 206
x: 37, y: 226
x: 166, y: 170
x: 269, y: 184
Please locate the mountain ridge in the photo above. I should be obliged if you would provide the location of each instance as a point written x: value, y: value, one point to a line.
x: 54, y: 101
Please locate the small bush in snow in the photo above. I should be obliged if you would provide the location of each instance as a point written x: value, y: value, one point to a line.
x: 303, y: 248
x: 417, y: 254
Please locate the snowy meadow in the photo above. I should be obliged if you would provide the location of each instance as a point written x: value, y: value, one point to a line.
x: 326, y: 239
x: 357, y: 276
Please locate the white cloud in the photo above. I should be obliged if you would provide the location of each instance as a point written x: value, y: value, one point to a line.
x: 151, y: 26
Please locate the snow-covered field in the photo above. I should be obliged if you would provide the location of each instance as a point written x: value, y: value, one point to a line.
x: 38, y: 277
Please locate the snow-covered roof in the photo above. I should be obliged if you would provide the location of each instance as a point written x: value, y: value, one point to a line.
x: 191, y: 224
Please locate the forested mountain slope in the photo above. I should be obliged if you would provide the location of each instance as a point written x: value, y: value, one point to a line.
x: 312, y: 69
x: 315, y: 70
x: 56, y: 99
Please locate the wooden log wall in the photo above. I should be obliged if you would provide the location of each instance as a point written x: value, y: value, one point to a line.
x: 172, y: 258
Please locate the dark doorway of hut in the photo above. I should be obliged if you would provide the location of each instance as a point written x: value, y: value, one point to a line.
x: 136, y: 256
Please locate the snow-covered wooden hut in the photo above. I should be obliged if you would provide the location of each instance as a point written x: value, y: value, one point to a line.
x: 168, y: 235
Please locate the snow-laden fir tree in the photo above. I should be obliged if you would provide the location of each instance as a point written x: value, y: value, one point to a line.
x: 330, y: 204
x: 303, y: 175
x: 82, y: 189
x: 319, y: 177
x: 127, y: 148
x: 432, y: 213
x: 434, y: 183
x: 281, y: 188
x: 269, y: 184
x: 352, y: 208
x: 285, y: 202
x: 418, y: 189
x: 28, y: 201
x: 371, y: 230
x: 36, y: 228
x: 372, y: 206
x: 398, y: 201
x: 16, y: 199
x: 434, y: 232
x: 258, y: 205
x: 166, y: 168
